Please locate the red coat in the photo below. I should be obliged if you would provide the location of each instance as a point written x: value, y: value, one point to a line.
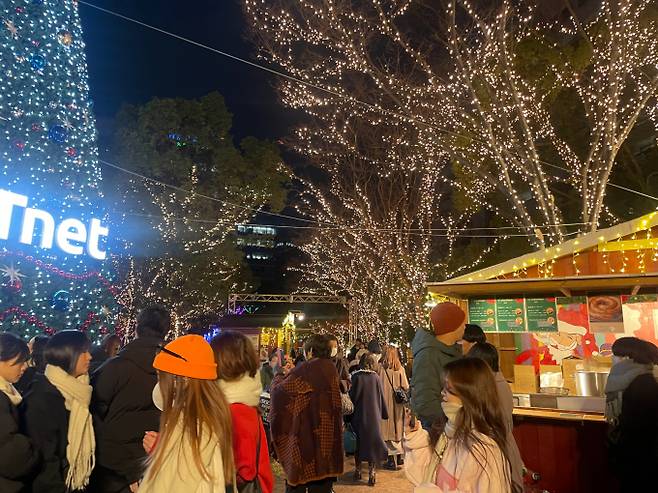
x: 246, y: 426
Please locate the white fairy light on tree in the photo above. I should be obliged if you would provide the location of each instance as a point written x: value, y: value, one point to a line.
x: 469, y: 95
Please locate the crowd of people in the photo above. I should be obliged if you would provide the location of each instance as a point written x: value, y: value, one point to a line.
x: 184, y: 416
x: 153, y: 417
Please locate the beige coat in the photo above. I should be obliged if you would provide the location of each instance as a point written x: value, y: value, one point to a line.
x: 179, y: 473
x: 513, y: 453
x: 392, y: 427
x: 461, y: 469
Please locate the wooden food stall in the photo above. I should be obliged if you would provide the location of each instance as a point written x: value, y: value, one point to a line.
x: 554, y: 315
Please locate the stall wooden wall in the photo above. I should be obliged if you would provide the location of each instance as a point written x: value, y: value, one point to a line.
x: 506, y: 352
x: 570, y: 456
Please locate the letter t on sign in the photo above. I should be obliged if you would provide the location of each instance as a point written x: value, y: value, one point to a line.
x: 7, y: 202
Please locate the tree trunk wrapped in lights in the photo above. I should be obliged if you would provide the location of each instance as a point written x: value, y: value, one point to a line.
x: 531, y: 104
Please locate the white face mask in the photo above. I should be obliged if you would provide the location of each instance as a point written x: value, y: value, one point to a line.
x: 377, y: 357
x: 451, y: 409
x: 334, y: 352
x: 158, y: 400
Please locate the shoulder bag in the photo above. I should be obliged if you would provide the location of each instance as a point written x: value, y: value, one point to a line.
x: 401, y: 396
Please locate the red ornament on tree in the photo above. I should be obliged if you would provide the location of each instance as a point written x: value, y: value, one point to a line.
x: 19, y: 144
x: 71, y: 151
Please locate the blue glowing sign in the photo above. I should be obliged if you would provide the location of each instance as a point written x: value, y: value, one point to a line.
x: 72, y: 235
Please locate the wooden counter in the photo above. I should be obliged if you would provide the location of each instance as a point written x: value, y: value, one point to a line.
x: 538, y: 412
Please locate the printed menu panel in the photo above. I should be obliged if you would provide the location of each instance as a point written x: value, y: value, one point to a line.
x: 541, y: 314
x: 605, y: 314
x: 641, y: 316
x: 483, y: 313
x: 510, y: 315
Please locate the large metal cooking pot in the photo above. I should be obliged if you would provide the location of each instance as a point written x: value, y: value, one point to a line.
x: 591, y: 383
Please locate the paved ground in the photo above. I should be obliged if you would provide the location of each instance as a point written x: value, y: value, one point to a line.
x: 387, y: 481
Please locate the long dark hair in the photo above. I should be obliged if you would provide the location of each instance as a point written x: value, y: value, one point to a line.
x: 473, y: 382
x: 64, y: 349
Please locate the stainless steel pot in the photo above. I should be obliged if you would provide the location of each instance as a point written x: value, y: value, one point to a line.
x: 591, y: 383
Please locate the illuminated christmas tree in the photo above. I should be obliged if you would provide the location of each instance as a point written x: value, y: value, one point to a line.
x: 54, y: 265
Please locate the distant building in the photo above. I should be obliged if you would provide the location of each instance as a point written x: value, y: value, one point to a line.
x: 258, y: 242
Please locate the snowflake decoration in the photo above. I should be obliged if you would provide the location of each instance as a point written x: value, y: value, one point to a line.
x: 12, y: 273
x: 11, y: 27
x: 67, y: 124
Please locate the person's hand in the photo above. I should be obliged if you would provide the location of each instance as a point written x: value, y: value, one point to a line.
x: 148, y: 442
x: 134, y: 487
x: 408, y: 421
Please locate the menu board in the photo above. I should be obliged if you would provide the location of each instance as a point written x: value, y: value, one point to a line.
x: 510, y: 315
x: 483, y: 313
x: 541, y: 314
x: 605, y: 314
x: 641, y: 316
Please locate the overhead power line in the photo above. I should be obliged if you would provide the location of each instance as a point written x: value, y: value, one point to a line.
x: 326, y: 90
x: 332, y: 226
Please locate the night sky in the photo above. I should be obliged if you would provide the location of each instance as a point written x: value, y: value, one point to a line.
x: 129, y: 63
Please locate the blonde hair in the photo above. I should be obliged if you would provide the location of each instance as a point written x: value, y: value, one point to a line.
x: 391, y: 359
x: 202, y: 407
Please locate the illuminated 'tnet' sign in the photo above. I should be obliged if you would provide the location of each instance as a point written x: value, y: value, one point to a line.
x: 71, y: 234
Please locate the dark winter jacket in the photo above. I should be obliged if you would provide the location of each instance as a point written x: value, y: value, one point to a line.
x: 343, y: 373
x: 45, y: 420
x: 369, y: 408
x: 98, y: 357
x: 123, y: 409
x: 266, y: 376
x: 633, y: 439
x: 17, y: 456
x: 430, y: 356
x: 23, y: 385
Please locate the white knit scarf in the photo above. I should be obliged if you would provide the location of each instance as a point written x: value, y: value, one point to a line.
x: 10, y: 391
x: 81, y: 442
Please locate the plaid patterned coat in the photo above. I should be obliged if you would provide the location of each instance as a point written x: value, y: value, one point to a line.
x: 306, y: 422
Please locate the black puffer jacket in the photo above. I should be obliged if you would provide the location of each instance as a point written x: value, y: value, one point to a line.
x: 17, y: 456
x: 123, y: 408
x: 45, y: 421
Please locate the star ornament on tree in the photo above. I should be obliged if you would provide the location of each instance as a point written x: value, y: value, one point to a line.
x: 12, y: 273
x: 11, y: 27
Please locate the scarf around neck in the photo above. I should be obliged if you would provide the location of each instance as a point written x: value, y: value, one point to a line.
x: 81, y: 443
x: 245, y: 390
x: 10, y: 391
x: 620, y: 377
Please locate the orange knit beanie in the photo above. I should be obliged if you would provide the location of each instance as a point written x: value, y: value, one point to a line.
x: 188, y: 356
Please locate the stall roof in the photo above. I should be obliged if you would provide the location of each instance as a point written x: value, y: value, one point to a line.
x: 555, y: 285
x: 600, y: 239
